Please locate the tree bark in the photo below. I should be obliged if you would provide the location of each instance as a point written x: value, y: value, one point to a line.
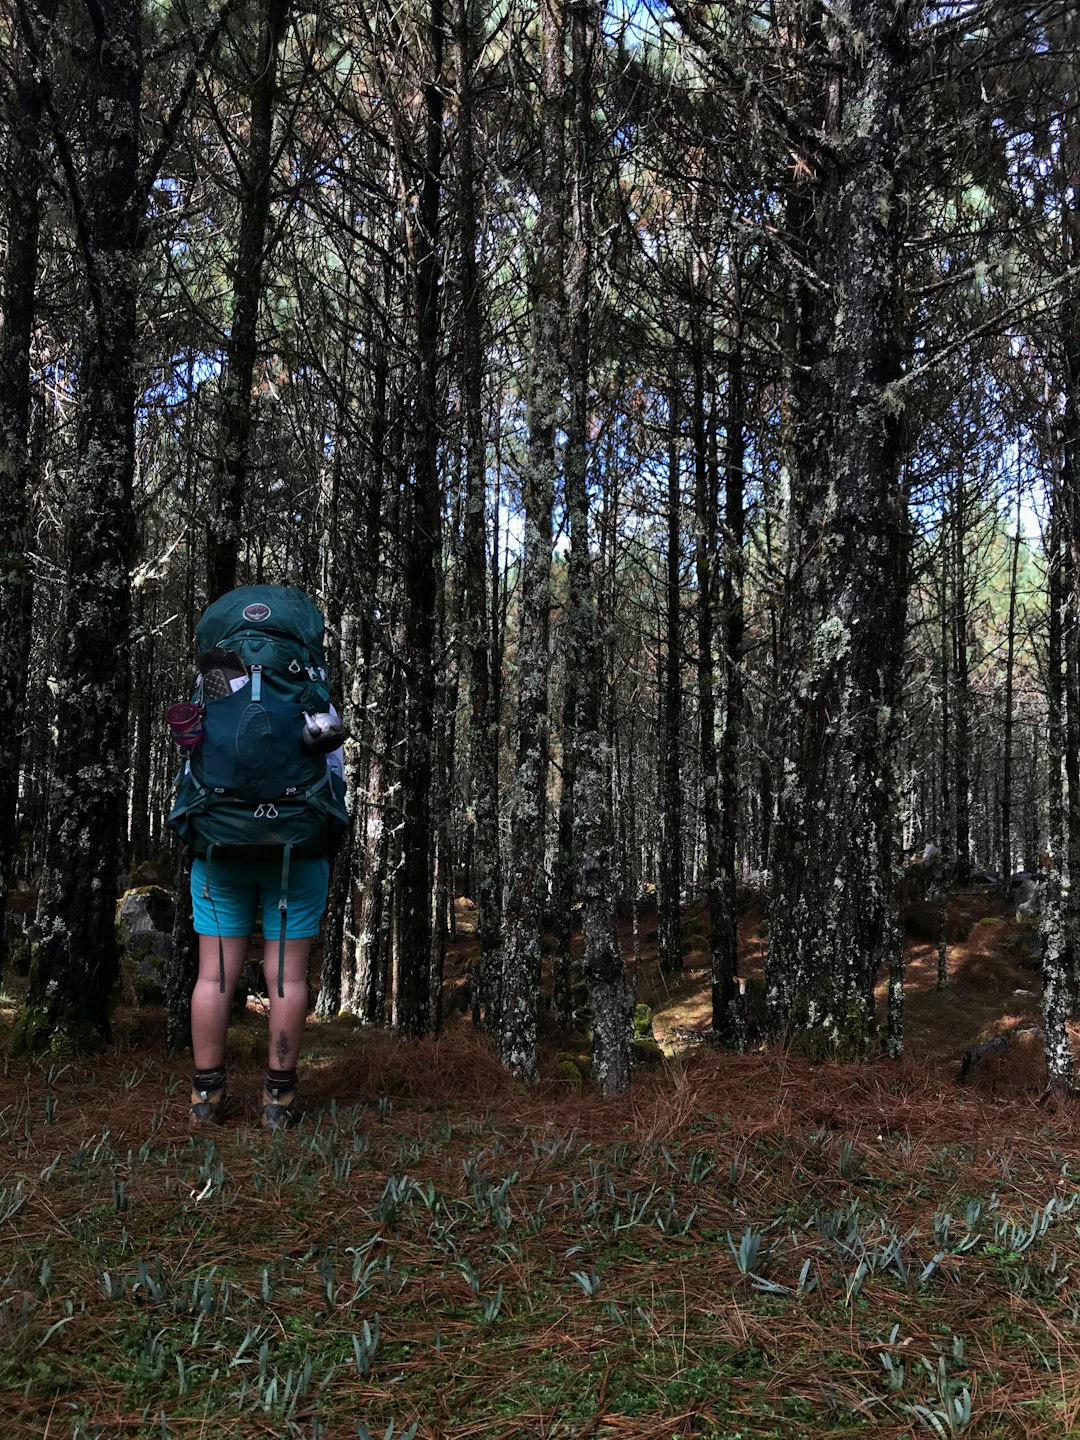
x: 224, y: 532
x: 525, y: 879
x: 829, y: 909
x: 23, y: 215
x: 725, y: 959
x: 705, y: 567
x: 1070, y: 484
x: 72, y: 981
x: 483, y: 718
x: 412, y: 999
x: 1055, y: 996
x: 670, y: 872
x: 961, y: 752
x: 1008, y: 718
x: 610, y: 988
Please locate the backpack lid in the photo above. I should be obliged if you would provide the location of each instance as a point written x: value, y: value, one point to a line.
x: 277, y: 609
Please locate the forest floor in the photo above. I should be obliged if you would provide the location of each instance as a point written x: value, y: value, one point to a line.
x: 741, y: 1246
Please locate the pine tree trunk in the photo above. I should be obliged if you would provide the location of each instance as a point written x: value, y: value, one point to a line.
x: 962, y: 686
x: 564, y: 876
x: 23, y: 218
x: 1055, y: 997
x: 72, y: 981
x: 182, y: 968
x: 483, y: 719
x: 725, y: 960
x: 520, y: 996
x: 366, y: 960
x: 412, y: 998
x: 1009, y: 718
x: 892, y: 743
x: 670, y: 871
x: 442, y: 789
x: 610, y: 988
x: 829, y: 907
x: 1070, y: 485
x: 339, y: 906
x: 346, y: 982
x: 705, y: 567
x: 224, y: 535
x: 141, y: 729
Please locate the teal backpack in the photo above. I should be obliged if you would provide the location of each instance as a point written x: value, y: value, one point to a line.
x: 252, y: 788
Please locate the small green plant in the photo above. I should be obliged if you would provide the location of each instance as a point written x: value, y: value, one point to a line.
x: 895, y: 1370
x: 365, y: 1345
x: 491, y: 1307
x: 747, y: 1251
x: 589, y: 1282
x: 12, y: 1200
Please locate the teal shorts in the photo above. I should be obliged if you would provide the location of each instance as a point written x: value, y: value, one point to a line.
x: 229, y: 904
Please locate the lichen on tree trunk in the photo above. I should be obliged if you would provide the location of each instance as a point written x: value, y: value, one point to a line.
x: 520, y: 991
x: 833, y: 844
x: 76, y: 966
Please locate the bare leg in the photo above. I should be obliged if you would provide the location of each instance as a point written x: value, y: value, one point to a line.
x: 288, y: 1012
x: 209, y: 1007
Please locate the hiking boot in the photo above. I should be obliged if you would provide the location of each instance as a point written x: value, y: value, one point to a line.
x: 208, y: 1097
x: 280, y: 1106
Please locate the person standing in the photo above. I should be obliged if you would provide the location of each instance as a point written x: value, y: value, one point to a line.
x: 260, y: 804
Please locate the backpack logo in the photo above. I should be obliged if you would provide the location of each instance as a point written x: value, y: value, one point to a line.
x: 257, y: 612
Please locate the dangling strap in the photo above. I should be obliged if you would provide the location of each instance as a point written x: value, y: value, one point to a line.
x: 208, y: 896
x: 283, y: 907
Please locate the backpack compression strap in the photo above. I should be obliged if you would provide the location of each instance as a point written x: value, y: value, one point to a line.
x: 283, y: 907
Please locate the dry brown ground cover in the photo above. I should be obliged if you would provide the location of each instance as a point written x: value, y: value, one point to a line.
x: 743, y: 1246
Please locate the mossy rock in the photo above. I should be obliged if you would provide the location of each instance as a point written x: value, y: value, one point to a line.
x: 567, y: 1071
x: 144, y: 971
x: 158, y: 903
x: 347, y: 1021
x: 643, y: 1022
x: 144, y: 920
x: 648, y: 1055
x: 581, y: 1062
x: 19, y: 956
x: 62, y: 1034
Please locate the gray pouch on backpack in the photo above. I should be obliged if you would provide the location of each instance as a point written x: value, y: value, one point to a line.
x: 222, y: 673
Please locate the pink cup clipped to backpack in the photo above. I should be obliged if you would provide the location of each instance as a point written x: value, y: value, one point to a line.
x: 186, y: 723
